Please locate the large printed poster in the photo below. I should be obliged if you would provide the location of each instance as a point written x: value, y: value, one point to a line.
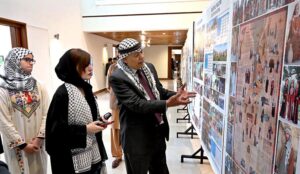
x: 261, y: 43
x: 215, y: 57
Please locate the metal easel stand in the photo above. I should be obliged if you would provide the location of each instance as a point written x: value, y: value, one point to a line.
x: 194, y: 155
x: 189, y: 131
x: 185, y: 118
x: 184, y: 109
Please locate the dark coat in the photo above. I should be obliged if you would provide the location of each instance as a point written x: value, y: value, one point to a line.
x: 137, y: 115
x: 61, y: 137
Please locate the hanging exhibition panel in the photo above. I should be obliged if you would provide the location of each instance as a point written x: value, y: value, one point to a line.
x: 199, y: 37
x: 211, y: 47
x: 261, y: 43
x: 288, y: 139
x: 246, y: 72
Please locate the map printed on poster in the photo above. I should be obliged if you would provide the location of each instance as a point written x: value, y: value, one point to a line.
x: 261, y: 50
x: 215, y: 57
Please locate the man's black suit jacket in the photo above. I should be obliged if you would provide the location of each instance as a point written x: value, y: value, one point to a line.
x: 137, y: 114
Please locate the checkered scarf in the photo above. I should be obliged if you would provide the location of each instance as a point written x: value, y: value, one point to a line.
x: 12, y: 76
x: 134, y: 78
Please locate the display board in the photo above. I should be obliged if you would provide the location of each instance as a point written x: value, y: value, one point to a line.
x: 246, y: 72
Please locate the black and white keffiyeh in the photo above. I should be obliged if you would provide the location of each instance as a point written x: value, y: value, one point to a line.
x: 12, y: 76
x: 79, y: 113
x: 134, y: 78
x: 128, y: 46
x: 125, y: 48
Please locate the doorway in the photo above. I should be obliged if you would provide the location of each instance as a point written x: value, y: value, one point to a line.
x: 174, y: 57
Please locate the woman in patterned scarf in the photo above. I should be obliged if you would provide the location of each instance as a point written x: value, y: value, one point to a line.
x: 22, y: 120
x: 73, y: 134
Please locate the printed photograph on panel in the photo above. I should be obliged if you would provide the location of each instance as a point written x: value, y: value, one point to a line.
x: 211, y: 33
x: 251, y: 9
x: 235, y: 49
x: 231, y: 167
x: 219, y: 70
x: 257, y: 93
x: 271, y: 4
x: 290, y: 94
x: 198, y: 70
x: 212, y: 131
x: 196, y: 122
x: 205, y: 130
x: 292, y: 49
x: 237, y: 17
x: 231, y: 110
x: 198, y: 88
x: 229, y: 140
x: 233, y: 74
x: 286, y: 161
x: 220, y: 52
x: 199, y: 41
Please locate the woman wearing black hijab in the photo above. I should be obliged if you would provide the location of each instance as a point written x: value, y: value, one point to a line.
x: 73, y: 134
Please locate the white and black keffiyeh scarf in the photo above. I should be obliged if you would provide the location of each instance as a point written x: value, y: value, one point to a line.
x: 131, y: 75
x: 79, y: 113
x: 12, y: 77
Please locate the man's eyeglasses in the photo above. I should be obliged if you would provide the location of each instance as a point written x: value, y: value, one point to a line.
x: 29, y: 60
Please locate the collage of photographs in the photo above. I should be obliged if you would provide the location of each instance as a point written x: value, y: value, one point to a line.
x: 252, y: 127
x: 254, y: 66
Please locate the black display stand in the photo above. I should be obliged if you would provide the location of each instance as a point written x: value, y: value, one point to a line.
x: 185, y: 118
x: 194, y: 155
x: 184, y: 109
x: 189, y: 131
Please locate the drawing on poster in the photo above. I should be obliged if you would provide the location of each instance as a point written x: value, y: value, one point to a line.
x: 257, y: 91
x: 290, y: 94
x: 292, y: 52
x: 287, y: 149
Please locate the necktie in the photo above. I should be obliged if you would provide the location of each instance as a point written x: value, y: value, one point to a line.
x: 147, y: 88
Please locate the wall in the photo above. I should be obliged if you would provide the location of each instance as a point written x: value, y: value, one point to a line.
x: 158, y: 56
x: 101, y: 15
x: 46, y: 18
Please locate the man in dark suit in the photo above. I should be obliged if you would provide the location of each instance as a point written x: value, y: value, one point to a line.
x: 143, y: 103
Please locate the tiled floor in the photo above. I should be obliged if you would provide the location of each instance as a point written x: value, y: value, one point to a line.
x: 175, y: 146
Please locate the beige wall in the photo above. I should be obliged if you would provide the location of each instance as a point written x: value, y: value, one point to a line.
x: 43, y: 22
x: 158, y: 56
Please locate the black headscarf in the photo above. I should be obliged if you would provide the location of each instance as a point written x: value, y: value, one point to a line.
x: 67, y: 72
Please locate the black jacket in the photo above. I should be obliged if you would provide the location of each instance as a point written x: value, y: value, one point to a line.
x: 137, y: 115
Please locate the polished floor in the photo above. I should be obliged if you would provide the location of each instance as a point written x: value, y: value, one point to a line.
x: 175, y: 146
